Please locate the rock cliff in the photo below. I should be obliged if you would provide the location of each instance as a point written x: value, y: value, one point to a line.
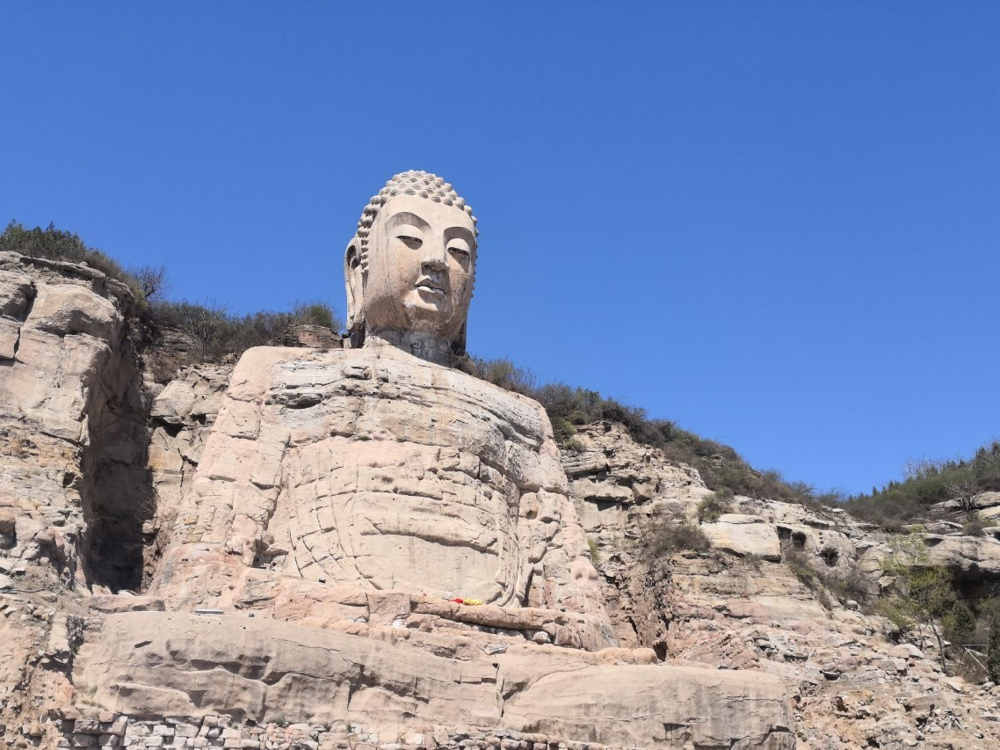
x: 111, y: 488
x: 740, y: 605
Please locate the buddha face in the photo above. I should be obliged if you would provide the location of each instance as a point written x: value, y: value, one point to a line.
x: 421, y: 258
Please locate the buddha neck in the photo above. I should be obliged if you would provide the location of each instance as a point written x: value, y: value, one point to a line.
x: 426, y: 346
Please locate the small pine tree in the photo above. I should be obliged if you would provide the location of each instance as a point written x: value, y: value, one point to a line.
x: 959, y: 624
x: 993, y: 647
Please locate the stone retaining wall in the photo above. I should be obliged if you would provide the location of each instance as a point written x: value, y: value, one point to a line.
x: 107, y: 729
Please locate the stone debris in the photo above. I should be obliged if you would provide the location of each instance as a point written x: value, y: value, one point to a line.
x: 220, y: 731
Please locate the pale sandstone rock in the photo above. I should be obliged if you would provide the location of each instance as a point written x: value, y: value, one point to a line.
x: 10, y: 336
x: 987, y: 500
x: 110, y: 604
x: 63, y: 365
x: 395, y: 468
x: 181, y: 416
x: 970, y: 558
x: 744, y: 535
x: 966, y: 555
x: 152, y: 665
x: 656, y: 706
x: 65, y: 309
x: 734, y: 613
x: 990, y: 513
x: 17, y: 289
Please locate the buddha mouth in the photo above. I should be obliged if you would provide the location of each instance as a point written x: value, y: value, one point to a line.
x: 426, y: 285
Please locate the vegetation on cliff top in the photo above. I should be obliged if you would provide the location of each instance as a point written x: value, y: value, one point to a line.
x: 568, y: 407
x: 55, y: 244
x: 215, y: 331
x: 930, y: 482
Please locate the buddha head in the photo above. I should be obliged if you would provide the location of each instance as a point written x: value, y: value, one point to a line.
x: 410, y: 268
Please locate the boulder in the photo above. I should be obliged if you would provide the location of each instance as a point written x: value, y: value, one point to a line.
x: 969, y: 557
x: 744, y: 535
x: 65, y: 309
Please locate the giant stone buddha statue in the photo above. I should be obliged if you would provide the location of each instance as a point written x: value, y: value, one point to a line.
x: 376, y: 538
x: 378, y: 466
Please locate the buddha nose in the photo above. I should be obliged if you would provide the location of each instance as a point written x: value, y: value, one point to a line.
x: 435, y: 257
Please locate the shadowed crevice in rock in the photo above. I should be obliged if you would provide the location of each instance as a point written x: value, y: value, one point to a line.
x: 116, y: 492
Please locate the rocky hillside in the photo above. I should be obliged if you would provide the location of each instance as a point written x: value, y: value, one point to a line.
x: 769, y: 594
x: 97, y: 456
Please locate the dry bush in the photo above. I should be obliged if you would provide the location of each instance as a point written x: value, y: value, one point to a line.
x: 684, y: 536
x: 715, y: 505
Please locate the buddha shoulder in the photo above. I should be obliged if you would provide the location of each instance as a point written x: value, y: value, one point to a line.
x: 300, y: 378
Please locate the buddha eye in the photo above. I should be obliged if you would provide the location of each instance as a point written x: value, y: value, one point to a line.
x: 410, y: 241
x: 459, y: 247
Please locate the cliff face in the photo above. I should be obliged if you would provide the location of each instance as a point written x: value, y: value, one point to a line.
x: 740, y: 604
x: 97, y: 462
x: 75, y: 490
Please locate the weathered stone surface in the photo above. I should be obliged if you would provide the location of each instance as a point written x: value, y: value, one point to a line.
x: 155, y: 665
x: 152, y: 665
x: 854, y: 686
x: 125, y: 603
x: 69, y: 400
x: 65, y: 309
x: 181, y: 417
x: 656, y: 706
x: 373, y: 468
x: 744, y: 535
x: 10, y: 337
x: 967, y: 556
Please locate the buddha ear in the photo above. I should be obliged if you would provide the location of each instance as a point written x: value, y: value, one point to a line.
x: 355, y: 287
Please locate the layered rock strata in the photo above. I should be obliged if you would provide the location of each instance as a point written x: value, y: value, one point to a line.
x: 740, y: 605
x: 73, y: 486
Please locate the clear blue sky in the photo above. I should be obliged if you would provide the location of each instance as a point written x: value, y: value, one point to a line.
x: 774, y: 223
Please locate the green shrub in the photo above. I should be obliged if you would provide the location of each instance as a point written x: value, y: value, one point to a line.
x: 219, y: 333
x: 847, y: 582
x: 669, y: 538
x: 959, y: 624
x: 993, y: 646
x: 715, y: 505
x: 974, y: 526
x: 55, y: 244
x: 317, y: 314
x: 800, y: 564
x: 922, y: 594
x: 501, y: 372
x: 853, y: 584
x: 595, y: 552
